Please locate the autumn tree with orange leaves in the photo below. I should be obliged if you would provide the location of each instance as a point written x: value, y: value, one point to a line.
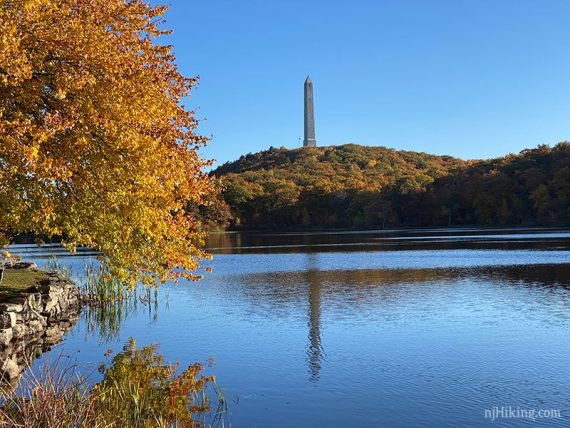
x: 95, y: 144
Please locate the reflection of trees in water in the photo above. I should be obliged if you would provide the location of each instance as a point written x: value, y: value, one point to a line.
x: 530, y: 275
x: 383, y: 240
x: 276, y: 293
x: 281, y: 287
x: 138, y: 389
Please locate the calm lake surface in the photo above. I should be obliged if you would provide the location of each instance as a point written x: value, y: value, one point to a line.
x: 415, y: 328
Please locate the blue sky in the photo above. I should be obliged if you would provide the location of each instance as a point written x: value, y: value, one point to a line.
x: 469, y: 78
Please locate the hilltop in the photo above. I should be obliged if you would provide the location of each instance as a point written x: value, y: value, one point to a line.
x: 354, y: 186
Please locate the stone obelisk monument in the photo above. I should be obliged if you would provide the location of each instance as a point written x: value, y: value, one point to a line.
x: 309, y: 115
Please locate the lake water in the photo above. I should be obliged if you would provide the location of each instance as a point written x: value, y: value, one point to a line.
x: 366, y: 329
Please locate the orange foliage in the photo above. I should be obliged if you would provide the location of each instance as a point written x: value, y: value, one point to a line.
x: 95, y: 144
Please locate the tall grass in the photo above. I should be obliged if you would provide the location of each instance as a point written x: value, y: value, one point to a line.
x: 54, y: 265
x: 110, y: 301
x: 53, y: 396
x: 98, y: 285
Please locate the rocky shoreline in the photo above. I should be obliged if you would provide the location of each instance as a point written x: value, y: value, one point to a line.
x: 32, y: 322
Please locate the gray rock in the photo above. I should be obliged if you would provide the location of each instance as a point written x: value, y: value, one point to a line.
x: 35, y: 301
x: 33, y: 322
x: 11, y: 307
x: 6, y: 336
x: 19, y: 331
x: 50, y: 303
x: 7, y: 319
x: 10, y: 369
x: 23, y: 265
x: 36, y: 326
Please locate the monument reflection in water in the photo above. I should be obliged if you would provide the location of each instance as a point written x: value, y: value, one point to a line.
x: 315, y: 348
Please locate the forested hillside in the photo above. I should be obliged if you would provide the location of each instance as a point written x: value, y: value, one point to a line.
x: 355, y: 186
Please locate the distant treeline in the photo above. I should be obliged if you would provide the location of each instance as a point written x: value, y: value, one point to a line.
x: 355, y: 186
